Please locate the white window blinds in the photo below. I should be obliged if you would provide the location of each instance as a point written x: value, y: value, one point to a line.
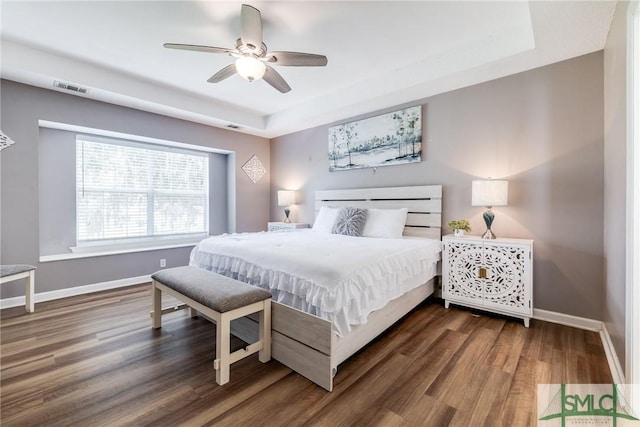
x: 134, y: 191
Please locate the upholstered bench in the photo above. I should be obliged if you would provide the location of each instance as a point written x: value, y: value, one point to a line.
x: 9, y: 273
x: 222, y: 299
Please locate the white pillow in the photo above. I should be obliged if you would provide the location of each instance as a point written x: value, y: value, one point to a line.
x: 387, y: 223
x: 325, y: 219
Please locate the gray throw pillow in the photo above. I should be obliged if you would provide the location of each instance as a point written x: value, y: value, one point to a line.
x: 350, y: 221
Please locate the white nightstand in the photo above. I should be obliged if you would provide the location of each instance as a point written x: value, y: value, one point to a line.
x: 285, y: 226
x: 494, y: 275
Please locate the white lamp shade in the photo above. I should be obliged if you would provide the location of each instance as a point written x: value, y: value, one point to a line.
x: 492, y: 192
x: 286, y: 197
x: 250, y: 68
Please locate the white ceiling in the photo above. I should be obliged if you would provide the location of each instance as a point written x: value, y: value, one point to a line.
x: 381, y: 53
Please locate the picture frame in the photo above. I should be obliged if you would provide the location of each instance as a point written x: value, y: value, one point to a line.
x: 388, y: 139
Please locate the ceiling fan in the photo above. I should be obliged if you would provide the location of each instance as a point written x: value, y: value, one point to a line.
x: 252, y: 56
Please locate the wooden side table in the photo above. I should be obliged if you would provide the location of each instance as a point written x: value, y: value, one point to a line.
x: 493, y: 275
x: 9, y: 273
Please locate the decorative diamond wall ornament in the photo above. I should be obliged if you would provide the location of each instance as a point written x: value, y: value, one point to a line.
x: 254, y: 169
x: 5, y: 141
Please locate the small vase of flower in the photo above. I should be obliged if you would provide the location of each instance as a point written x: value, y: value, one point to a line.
x: 459, y: 226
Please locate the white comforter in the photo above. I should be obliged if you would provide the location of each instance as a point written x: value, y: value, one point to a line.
x: 338, y: 278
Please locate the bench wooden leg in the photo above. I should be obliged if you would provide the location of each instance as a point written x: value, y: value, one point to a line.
x: 193, y: 312
x: 224, y: 357
x: 156, y: 303
x: 29, y: 290
x: 264, y: 325
x: 222, y: 362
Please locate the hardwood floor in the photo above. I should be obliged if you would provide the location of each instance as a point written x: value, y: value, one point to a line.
x: 94, y: 360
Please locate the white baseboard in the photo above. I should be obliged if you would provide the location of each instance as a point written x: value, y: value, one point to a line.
x: 76, y: 290
x: 568, y: 320
x: 591, y: 325
x: 612, y: 357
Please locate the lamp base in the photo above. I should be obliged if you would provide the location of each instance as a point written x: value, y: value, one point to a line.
x: 287, y: 211
x: 488, y: 234
x: 488, y: 220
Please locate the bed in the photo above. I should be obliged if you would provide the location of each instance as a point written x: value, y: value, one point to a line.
x: 313, y: 277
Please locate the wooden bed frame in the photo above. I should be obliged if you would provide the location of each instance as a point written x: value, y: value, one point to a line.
x: 307, y: 343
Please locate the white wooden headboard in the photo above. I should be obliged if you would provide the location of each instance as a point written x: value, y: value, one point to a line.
x: 424, y: 203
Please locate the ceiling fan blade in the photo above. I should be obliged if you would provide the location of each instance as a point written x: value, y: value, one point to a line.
x: 227, y: 71
x: 272, y: 77
x: 197, y: 48
x: 251, y: 26
x: 297, y: 59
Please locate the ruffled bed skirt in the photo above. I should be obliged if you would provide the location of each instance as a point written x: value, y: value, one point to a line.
x: 346, y: 303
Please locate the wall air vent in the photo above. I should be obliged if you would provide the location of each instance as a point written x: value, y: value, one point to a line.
x: 231, y: 126
x: 68, y: 86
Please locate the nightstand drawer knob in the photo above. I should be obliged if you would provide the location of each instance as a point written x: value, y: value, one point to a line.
x: 482, y: 273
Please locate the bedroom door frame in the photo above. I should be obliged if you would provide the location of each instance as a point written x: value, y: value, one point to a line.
x: 632, y: 315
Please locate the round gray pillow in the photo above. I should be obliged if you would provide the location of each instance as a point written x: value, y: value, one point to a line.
x: 350, y: 221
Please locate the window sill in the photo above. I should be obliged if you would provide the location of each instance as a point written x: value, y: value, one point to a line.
x: 97, y: 252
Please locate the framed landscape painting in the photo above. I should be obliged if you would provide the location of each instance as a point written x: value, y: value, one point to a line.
x: 389, y: 139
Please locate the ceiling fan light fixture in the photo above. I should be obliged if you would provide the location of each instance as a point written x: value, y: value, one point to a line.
x: 251, y: 54
x: 250, y: 68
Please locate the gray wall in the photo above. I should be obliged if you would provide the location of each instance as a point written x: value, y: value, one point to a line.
x: 542, y: 130
x: 22, y: 106
x: 615, y: 178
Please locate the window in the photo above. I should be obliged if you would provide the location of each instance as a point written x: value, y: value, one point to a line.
x: 131, y: 192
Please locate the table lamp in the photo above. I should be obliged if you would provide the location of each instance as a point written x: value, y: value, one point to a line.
x: 489, y: 193
x: 286, y: 198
